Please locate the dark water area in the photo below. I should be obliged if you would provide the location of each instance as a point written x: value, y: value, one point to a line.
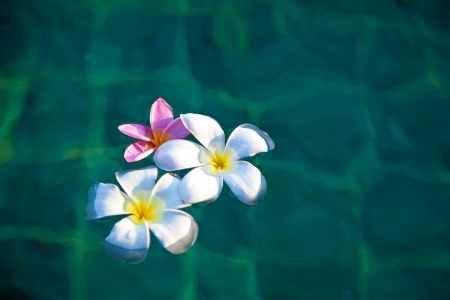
x: 355, y: 94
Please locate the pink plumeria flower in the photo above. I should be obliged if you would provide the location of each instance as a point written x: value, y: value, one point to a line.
x: 162, y: 128
x: 149, y: 206
x: 215, y: 161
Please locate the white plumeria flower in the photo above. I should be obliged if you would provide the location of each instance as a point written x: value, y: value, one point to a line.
x: 149, y: 206
x: 216, y: 162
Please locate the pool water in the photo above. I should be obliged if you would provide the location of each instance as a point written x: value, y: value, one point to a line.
x: 355, y: 95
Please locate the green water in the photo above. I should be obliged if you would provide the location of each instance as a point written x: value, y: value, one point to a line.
x: 355, y: 94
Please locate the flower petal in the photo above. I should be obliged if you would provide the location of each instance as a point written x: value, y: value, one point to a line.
x: 206, y: 130
x: 247, y: 183
x: 197, y: 186
x: 137, y: 131
x: 138, y: 151
x: 167, y: 189
x: 105, y: 200
x: 138, y: 183
x: 175, y: 130
x: 180, y: 154
x: 177, y: 231
x: 161, y: 115
x: 248, y: 140
x: 128, y: 241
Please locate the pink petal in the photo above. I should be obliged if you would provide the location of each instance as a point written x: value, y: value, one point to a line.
x: 138, y: 151
x: 175, y: 130
x: 137, y: 131
x: 161, y: 116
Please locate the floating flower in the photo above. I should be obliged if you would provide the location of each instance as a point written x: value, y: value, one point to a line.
x: 148, y: 206
x: 162, y: 128
x: 216, y: 162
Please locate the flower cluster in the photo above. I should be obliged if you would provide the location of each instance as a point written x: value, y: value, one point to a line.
x: 150, y: 205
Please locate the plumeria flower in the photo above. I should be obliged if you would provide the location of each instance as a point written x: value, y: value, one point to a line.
x: 148, y: 206
x: 216, y: 161
x: 162, y: 128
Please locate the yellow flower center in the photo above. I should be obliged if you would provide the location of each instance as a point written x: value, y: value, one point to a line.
x: 159, y: 138
x: 151, y: 211
x: 220, y: 162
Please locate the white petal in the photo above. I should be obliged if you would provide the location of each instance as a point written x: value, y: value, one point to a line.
x: 206, y: 130
x: 177, y: 231
x: 197, y: 186
x: 248, y: 140
x: 247, y: 183
x: 128, y: 241
x: 138, y: 183
x: 180, y: 154
x: 105, y: 200
x: 167, y: 189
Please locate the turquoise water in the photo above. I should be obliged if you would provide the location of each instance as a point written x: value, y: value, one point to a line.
x: 355, y: 94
